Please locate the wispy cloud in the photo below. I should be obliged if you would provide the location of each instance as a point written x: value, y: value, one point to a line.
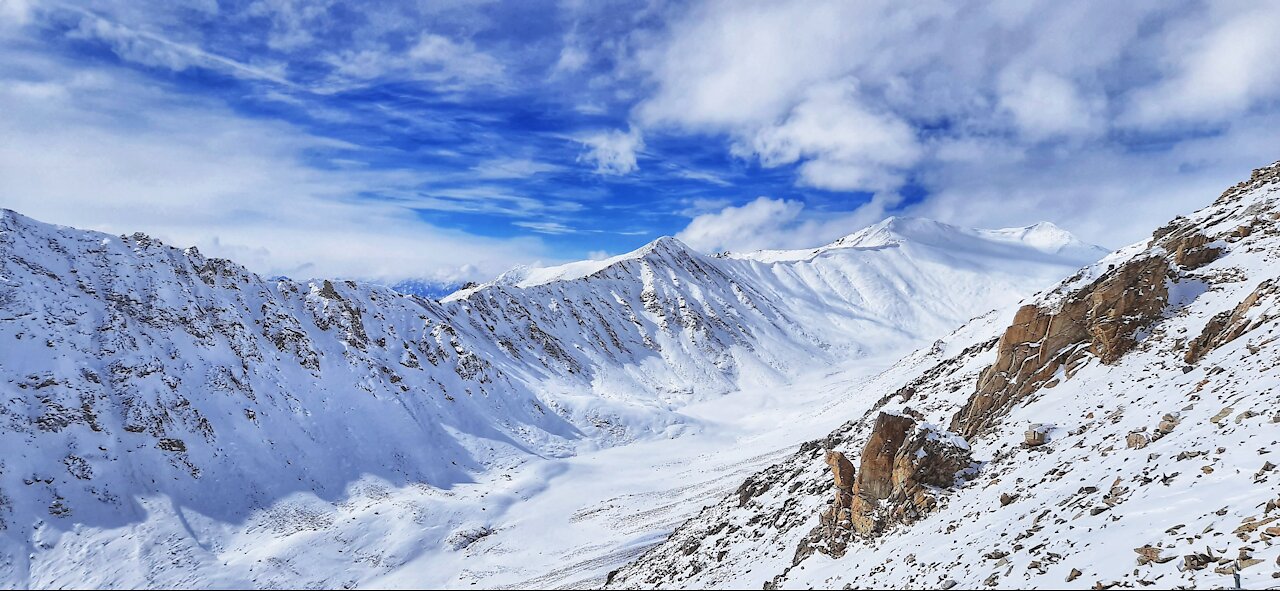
x: 451, y: 132
x: 546, y: 227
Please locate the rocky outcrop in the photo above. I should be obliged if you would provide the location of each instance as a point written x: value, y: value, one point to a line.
x: 842, y: 472
x: 1228, y: 326
x: 902, y: 467
x: 1101, y: 319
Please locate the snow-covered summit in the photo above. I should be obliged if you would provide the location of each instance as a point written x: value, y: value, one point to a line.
x: 666, y: 248
x: 1042, y: 241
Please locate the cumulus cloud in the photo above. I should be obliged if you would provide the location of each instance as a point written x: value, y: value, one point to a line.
x: 976, y: 102
x: 1046, y: 105
x: 843, y: 145
x: 1216, y: 73
x: 612, y: 152
x: 765, y: 223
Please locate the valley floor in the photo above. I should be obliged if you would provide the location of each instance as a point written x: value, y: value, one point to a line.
x: 565, y: 523
x: 545, y: 523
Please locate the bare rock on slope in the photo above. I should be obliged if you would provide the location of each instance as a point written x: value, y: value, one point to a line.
x: 903, y: 465
x: 1227, y: 326
x: 1101, y: 319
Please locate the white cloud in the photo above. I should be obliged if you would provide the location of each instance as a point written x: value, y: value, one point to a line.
x: 746, y: 227
x: 15, y: 12
x: 112, y: 152
x: 546, y: 227
x: 456, y: 59
x: 511, y: 168
x: 448, y: 64
x: 729, y: 64
x: 1008, y: 113
x: 1215, y: 73
x: 1046, y: 105
x: 767, y: 223
x: 293, y: 22
x: 572, y: 59
x: 613, y: 152
x: 844, y: 146
x: 1108, y: 196
x: 155, y: 51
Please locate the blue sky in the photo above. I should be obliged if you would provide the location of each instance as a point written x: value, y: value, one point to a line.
x: 452, y: 140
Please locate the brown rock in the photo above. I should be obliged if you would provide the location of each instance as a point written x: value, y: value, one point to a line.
x: 842, y: 473
x: 874, y: 479
x: 1036, y: 436
x: 1147, y: 554
x: 1100, y: 319
x: 900, y: 466
x: 1137, y: 440
x: 841, y: 469
x: 1190, y: 250
x: 1228, y: 326
x: 1196, y: 561
x: 1073, y: 575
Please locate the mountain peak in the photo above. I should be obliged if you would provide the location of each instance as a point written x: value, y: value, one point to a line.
x: 660, y: 244
x: 529, y: 275
x: 1045, y: 237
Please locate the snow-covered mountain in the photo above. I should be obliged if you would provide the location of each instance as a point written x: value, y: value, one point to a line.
x: 175, y: 420
x: 1119, y: 430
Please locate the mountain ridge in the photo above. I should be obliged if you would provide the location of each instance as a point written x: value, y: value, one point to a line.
x: 148, y: 384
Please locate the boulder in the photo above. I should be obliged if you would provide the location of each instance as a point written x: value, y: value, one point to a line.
x: 1036, y: 435
x: 841, y: 469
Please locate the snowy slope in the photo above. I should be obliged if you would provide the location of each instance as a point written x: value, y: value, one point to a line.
x: 1161, y: 422
x: 171, y: 419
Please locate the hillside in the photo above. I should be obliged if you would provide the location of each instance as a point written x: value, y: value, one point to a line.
x: 1119, y: 430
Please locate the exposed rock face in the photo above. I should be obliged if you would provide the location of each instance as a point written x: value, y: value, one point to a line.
x: 1227, y: 326
x: 874, y: 481
x: 842, y: 472
x: 902, y: 465
x: 1100, y: 319
x: 841, y: 469
x: 836, y: 520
